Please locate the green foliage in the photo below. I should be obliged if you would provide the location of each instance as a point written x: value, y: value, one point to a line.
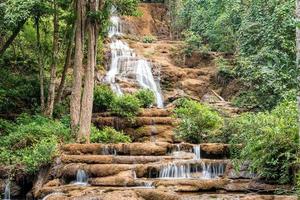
x: 270, y: 141
x: 149, y: 39
x: 260, y: 34
x: 32, y: 141
x: 18, y: 92
x: 108, y: 135
x: 146, y: 97
x: 103, y: 98
x: 193, y: 41
x: 126, y: 106
x: 126, y: 7
x: 198, y: 122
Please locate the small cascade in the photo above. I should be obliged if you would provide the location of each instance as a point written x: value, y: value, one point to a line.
x: 148, y: 184
x: 176, y: 151
x: 81, y: 177
x: 134, y: 174
x: 125, y: 64
x: 212, y: 170
x: 106, y: 150
x: 116, y: 27
x: 7, y: 191
x: 197, y: 152
x: 176, y: 171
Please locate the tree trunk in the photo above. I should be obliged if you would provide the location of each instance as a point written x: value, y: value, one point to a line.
x: 41, y: 66
x: 298, y: 52
x: 75, y: 102
x: 11, y: 38
x: 66, y: 65
x: 87, y: 98
x: 51, y: 91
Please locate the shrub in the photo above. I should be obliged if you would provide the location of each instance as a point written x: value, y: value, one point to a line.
x: 148, y: 39
x: 39, y: 154
x: 198, y: 122
x: 103, y: 98
x: 32, y: 141
x: 108, y: 135
x: 18, y: 92
x: 146, y: 97
x: 270, y: 141
x: 126, y: 106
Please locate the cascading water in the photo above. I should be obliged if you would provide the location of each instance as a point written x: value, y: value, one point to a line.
x: 106, y: 150
x: 7, y: 191
x: 213, y: 170
x: 191, y: 169
x: 174, y: 170
x: 197, y: 152
x: 125, y: 64
x: 81, y: 177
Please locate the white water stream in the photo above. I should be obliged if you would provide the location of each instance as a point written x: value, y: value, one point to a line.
x: 126, y: 64
x: 7, y: 191
x: 81, y: 178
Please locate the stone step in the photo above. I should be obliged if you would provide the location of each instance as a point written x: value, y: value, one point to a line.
x: 121, y: 123
x: 161, y: 133
x: 139, y: 149
x: 207, y: 150
x: 192, y: 168
x: 72, y: 192
x: 150, y: 112
x: 111, y: 159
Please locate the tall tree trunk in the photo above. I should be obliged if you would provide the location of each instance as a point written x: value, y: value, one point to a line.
x: 51, y: 91
x: 87, y: 98
x: 12, y: 37
x: 41, y: 66
x: 66, y: 65
x: 298, y: 52
x: 75, y: 102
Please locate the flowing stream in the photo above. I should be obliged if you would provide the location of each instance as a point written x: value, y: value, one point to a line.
x: 81, y: 177
x: 126, y: 65
x: 7, y: 191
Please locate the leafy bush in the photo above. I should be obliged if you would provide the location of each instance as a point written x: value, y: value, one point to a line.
x: 103, y: 98
x: 108, y: 135
x: 126, y: 106
x: 270, y: 141
x: 18, y: 92
x: 146, y: 97
x: 32, y: 141
x: 148, y: 39
x: 198, y: 122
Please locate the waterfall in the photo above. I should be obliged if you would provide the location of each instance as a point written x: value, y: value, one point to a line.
x: 81, y: 177
x: 174, y: 170
x: 125, y: 64
x: 7, y: 191
x: 148, y: 184
x: 197, y: 152
x: 134, y: 174
x: 106, y: 150
x: 212, y: 170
